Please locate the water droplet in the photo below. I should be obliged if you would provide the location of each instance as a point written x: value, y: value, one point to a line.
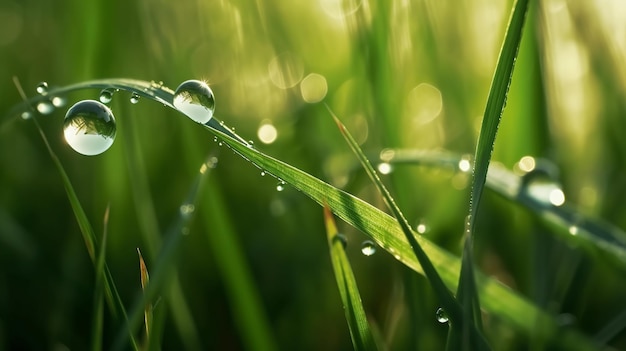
x: 464, y: 164
x: 134, y: 98
x: 539, y: 185
x: 441, y: 316
x: 42, y: 88
x: 385, y: 168
x: 187, y: 209
x: 45, y: 107
x: 573, y: 230
x: 421, y: 227
x: 59, y: 101
x: 342, y: 238
x: 368, y: 248
x: 280, y: 186
x: 89, y: 127
x: 263, y: 173
x: 250, y: 144
x: 220, y: 143
x: 106, y: 95
x: 26, y: 115
x: 195, y: 99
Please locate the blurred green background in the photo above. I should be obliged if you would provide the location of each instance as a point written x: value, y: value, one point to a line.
x: 399, y: 73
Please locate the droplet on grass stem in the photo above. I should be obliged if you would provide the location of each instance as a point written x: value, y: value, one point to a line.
x: 195, y: 99
x: 89, y: 127
x: 368, y: 248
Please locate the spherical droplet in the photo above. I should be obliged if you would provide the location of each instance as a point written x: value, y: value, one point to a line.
x: 195, y: 99
x: 106, y: 96
x: 187, y: 209
x: 42, y: 88
x: 134, y: 98
x: 89, y: 127
x: 263, y: 173
x: 368, y: 248
x: 441, y: 315
x: 280, y: 186
x: 59, y: 101
x: 421, y: 227
x: 45, y: 107
x: 26, y: 115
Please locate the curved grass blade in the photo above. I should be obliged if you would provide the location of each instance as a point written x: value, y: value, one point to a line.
x: 466, y: 293
x: 362, y: 337
x: 569, y: 224
x: 147, y: 313
x: 113, y: 298
x: 98, y: 313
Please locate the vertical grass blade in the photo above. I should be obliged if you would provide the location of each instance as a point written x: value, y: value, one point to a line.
x: 89, y: 237
x: 458, y: 322
x: 147, y: 314
x: 362, y: 337
x: 466, y: 293
x: 98, y: 302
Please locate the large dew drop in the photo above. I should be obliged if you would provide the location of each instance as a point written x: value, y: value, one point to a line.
x: 89, y: 127
x: 195, y: 99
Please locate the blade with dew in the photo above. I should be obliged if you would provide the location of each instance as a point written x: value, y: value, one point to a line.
x: 450, y: 305
x: 113, y: 298
x: 466, y: 292
x: 362, y: 337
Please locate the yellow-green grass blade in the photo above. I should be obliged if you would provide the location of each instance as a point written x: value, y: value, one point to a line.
x: 144, y: 278
x: 98, y: 302
x: 362, y: 337
x: 113, y: 298
x: 466, y: 292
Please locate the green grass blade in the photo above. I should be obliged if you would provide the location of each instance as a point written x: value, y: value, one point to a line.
x: 568, y: 223
x: 113, y: 298
x: 98, y: 310
x: 458, y: 322
x: 362, y: 337
x: 466, y: 293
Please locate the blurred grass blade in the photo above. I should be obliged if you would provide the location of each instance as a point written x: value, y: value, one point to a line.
x: 89, y: 237
x: 362, y: 337
x: 98, y: 313
x: 448, y: 302
x: 163, y: 272
x: 147, y: 314
x: 466, y: 292
x: 611, y: 330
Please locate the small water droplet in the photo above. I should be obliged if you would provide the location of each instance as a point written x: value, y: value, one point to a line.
x: 59, y: 101
x: 421, y: 227
x: 573, y: 230
x: 26, y: 115
x: 280, y: 186
x: 263, y: 173
x: 220, y: 143
x: 45, y: 107
x: 106, y: 95
x: 42, y: 88
x: 368, y: 248
x: 465, y: 164
x: 134, y: 98
x: 441, y: 316
x: 195, y: 99
x: 89, y: 127
x: 187, y: 209
x: 250, y: 144
x: 342, y: 238
x: 385, y: 168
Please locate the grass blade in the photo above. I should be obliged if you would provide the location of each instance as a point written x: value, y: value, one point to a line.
x: 362, y: 337
x: 450, y: 305
x: 147, y: 314
x: 466, y: 292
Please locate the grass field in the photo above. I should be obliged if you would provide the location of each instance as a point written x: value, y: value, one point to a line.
x: 240, y: 260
